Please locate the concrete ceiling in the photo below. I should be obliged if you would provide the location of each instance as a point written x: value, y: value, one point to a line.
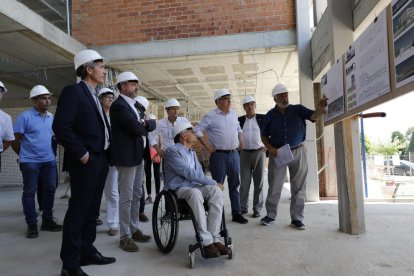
x: 194, y: 79
x: 27, y: 59
x: 33, y: 51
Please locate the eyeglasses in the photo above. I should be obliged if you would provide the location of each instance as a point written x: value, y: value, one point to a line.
x: 227, y: 99
x: 109, y: 97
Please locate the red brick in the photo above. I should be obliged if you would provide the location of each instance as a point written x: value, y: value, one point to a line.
x: 137, y: 21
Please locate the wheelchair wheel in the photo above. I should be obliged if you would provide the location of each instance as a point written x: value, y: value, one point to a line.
x: 192, y: 259
x: 231, y: 252
x: 165, y: 221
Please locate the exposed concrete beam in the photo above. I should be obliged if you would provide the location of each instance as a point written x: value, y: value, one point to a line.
x: 319, y: 7
x: 37, y: 24
x: 362, y: 10
x: 199, y: 45
x: 321, y: 45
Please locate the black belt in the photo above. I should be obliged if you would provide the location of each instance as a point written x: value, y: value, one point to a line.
x: 253, y: 150
x: 296, y: 147
x: 226, y: 151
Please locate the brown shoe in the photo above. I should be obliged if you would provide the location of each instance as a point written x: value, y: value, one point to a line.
x: 112, y: 232
x: 140, y: 237
x: 221, y: 248
x: 211, y: 251
x: 143, y: 217
x: 128, y: 245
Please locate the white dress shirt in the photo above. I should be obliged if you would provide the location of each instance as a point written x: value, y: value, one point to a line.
x: 166, y: 128
x: 6, y: 129
x: 131, y: 103
x: 222, y: 129
x: 251, y: 134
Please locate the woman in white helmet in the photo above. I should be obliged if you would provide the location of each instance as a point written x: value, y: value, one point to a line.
x: 106, y: 98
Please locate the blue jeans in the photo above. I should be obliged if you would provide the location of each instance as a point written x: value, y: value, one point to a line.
x: 33, y: 173
x: 228, y: 164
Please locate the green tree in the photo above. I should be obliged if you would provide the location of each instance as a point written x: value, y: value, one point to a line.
x: 368, y: 145
x: 399, y: 139
x: 387, y: 149
x: 411, y: 145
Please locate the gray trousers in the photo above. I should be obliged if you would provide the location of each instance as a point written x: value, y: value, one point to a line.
x: 252, y: 165
x: 209, y: 227
x: 130, y: 191
x: 298, y: 170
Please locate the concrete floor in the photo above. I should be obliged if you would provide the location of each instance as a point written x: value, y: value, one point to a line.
x: 387, y: 247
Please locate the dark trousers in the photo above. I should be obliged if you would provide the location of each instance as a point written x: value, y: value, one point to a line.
x: 79, y: 227
x: 228, y: 164
x: 142, y: 200
x: 148, y: 176
x: 33, y: 173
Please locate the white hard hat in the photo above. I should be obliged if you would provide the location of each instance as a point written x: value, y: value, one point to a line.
x: 86, y: 56
x: 105, y: 90
x: 127, y: 76
x: 178, y: 127
x: 248, y: 99
x: 143, y: 101
x: 171, y: 102
x: 2, y: 86
x: 151, y: 116
x: 279, y: 89
x: 220, y: 93
x: 39, y: 90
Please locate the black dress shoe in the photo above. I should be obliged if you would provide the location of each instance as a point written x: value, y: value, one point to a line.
x: 239, y: 219
x: 96, y: 259
x: 73, y: 272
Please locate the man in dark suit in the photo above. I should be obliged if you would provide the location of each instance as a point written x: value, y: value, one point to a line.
x: 252, y: 157
x: 129, y: 129
x: 81, y: 127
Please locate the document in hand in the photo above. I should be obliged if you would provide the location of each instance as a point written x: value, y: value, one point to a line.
x: 284, y: 156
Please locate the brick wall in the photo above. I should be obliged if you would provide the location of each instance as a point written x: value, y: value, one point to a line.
x: 103, y: 22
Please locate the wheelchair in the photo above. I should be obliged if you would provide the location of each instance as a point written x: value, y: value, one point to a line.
x: 167, y: 211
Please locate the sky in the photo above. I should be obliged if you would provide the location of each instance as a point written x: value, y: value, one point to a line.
x: 400, y: 116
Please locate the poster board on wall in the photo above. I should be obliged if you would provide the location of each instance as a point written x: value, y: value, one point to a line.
x: 332, y: 86
x: 403, y: 38
x: 378, y: 75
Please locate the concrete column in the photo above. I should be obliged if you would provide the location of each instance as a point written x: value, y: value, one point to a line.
x: 319, y: 7
x: 347, y: 145
x: 303, y: 36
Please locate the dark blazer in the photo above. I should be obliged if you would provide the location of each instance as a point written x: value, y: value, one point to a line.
x: 259, y: 119
x: 78, y: 125
x: 127, y: 144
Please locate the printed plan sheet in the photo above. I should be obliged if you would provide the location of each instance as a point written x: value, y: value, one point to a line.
x: 403, y: 29
x: 332, y: 87
x: 367, y: 65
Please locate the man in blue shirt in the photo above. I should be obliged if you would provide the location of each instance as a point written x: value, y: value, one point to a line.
x: 285, y: 124
x: 183, y: 173
x: 225, y: 138
x: 33, y: 144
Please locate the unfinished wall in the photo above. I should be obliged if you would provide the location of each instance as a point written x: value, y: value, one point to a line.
x: 103, y: 22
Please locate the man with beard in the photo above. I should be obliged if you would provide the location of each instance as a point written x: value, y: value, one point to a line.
x: 285, y: 124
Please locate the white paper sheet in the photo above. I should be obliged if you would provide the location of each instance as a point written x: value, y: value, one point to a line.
x: 284, y: 156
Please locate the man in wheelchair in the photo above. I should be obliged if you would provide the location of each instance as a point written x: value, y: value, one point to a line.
x: 184, y: 175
